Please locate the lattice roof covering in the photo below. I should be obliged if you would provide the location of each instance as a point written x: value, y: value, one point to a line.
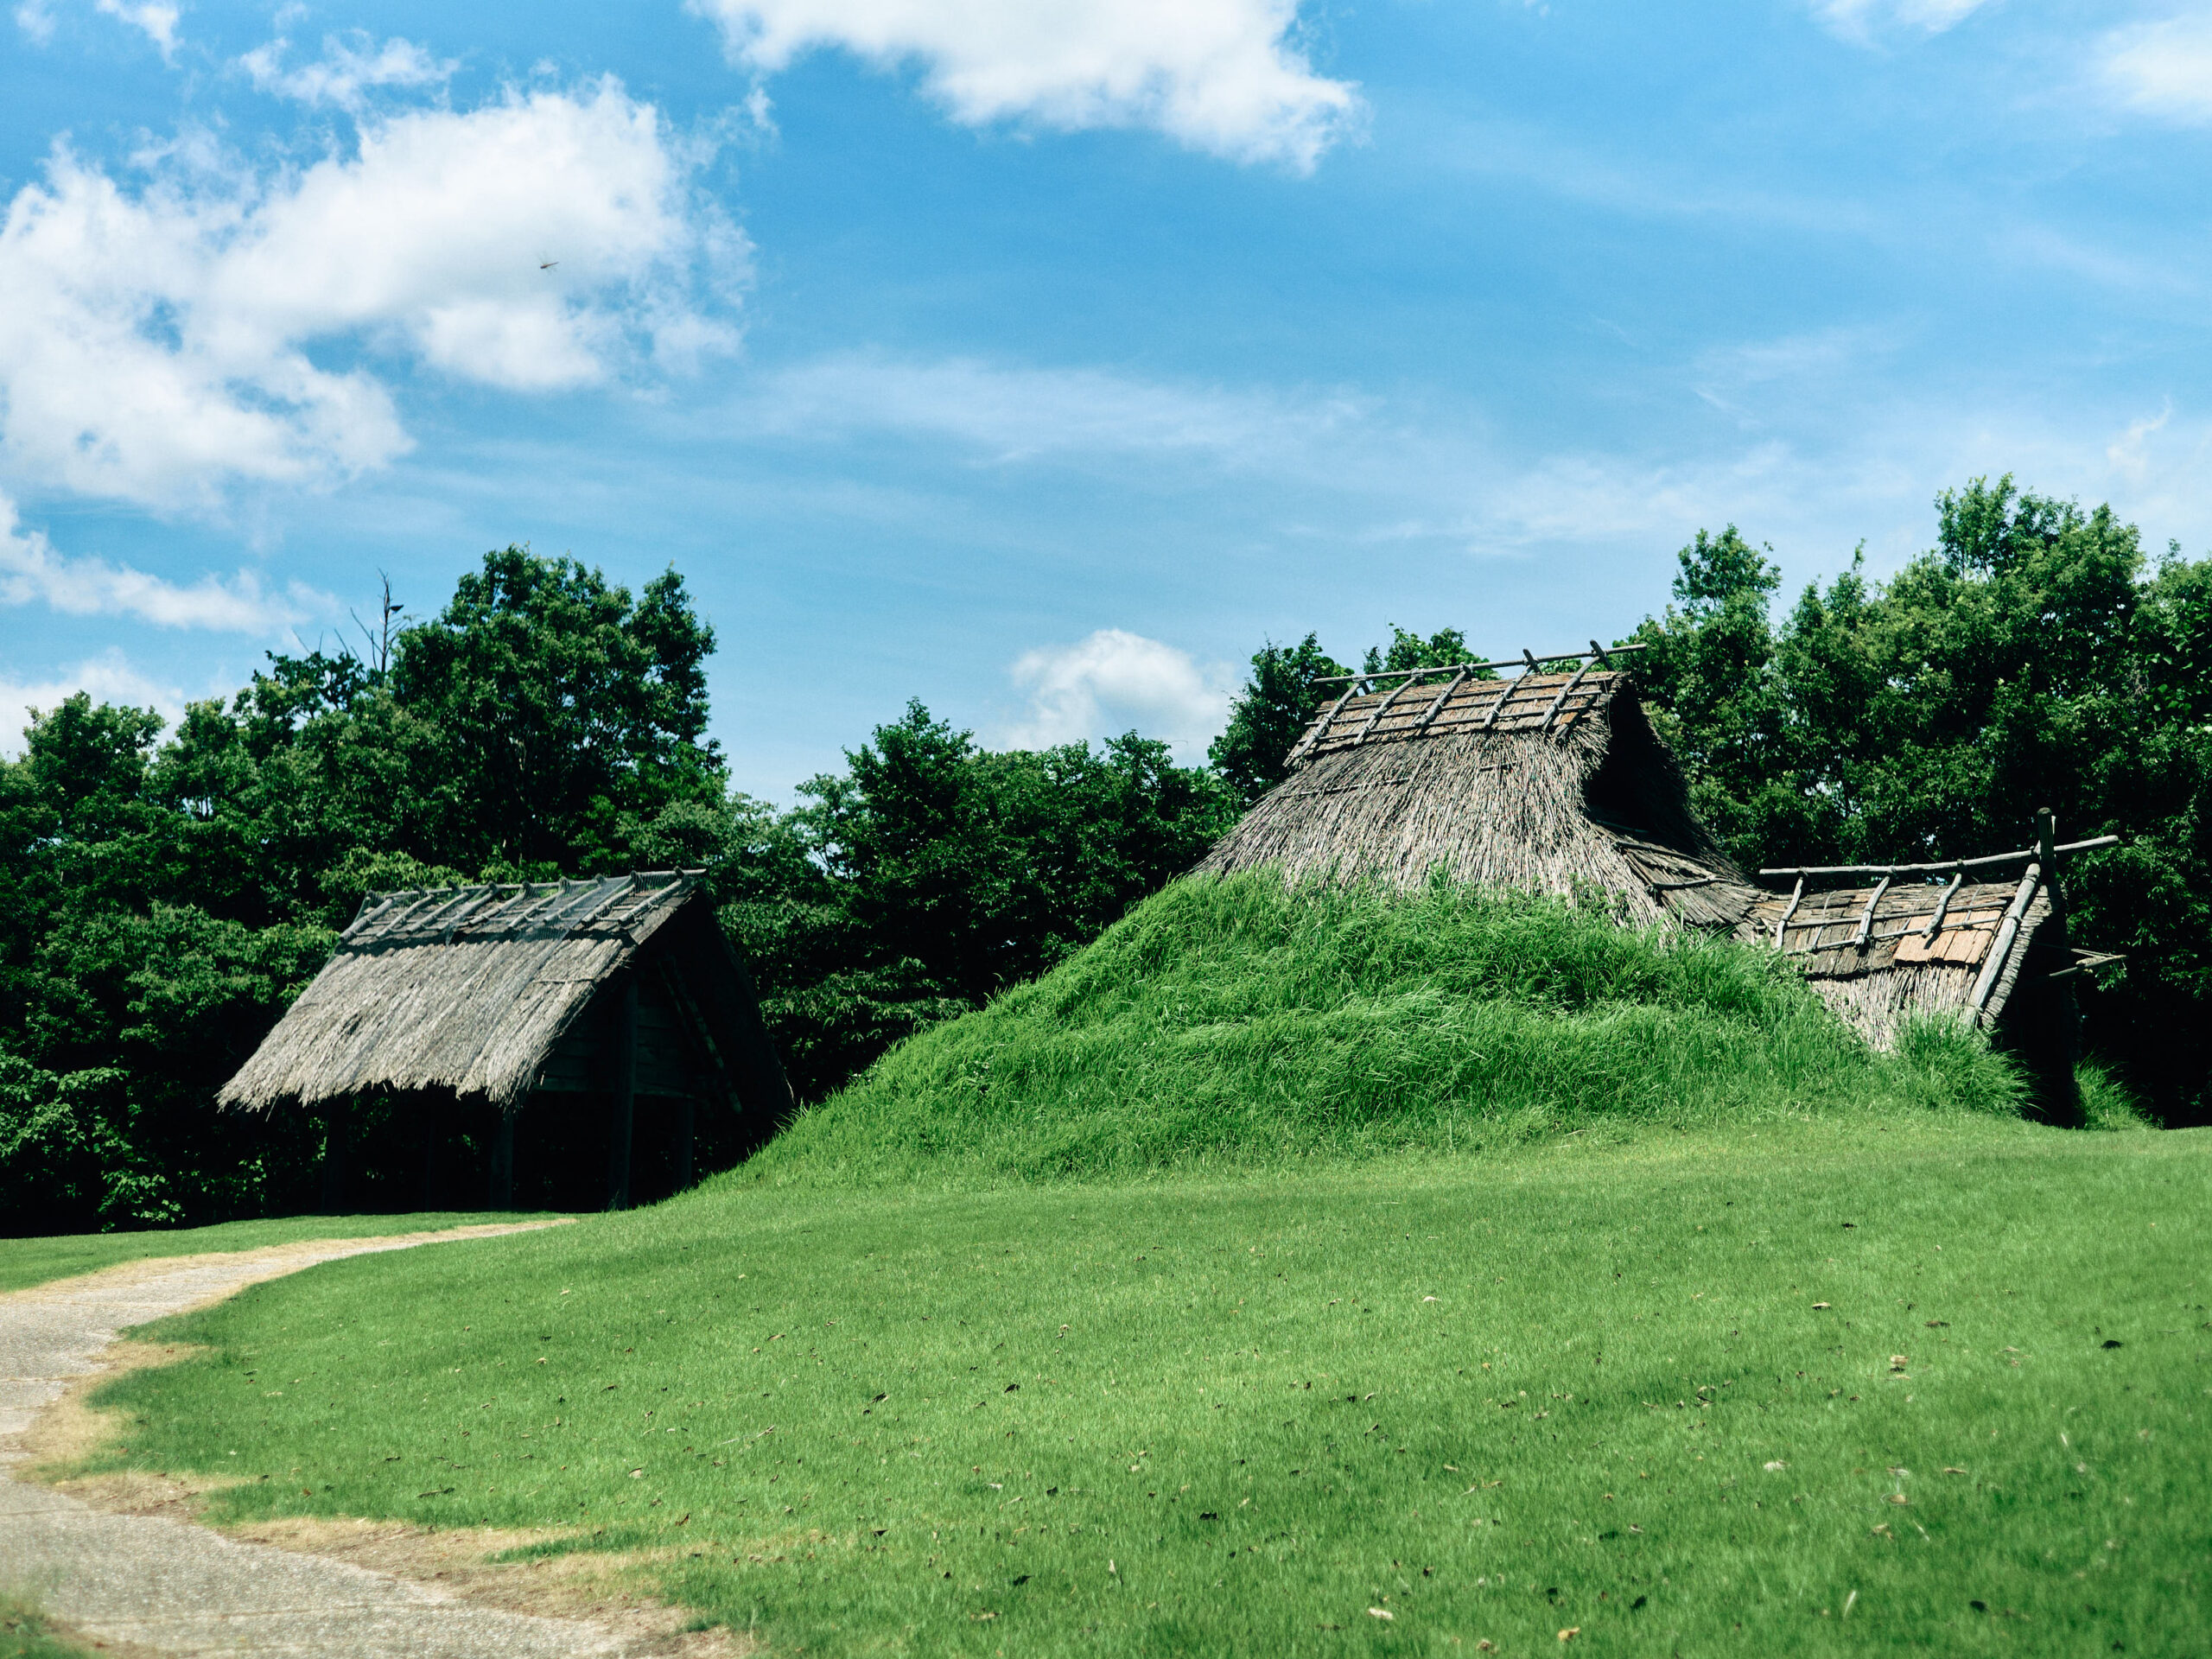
x: 1822, y: 934
x: 602, y: 907
x: 1446, y: 707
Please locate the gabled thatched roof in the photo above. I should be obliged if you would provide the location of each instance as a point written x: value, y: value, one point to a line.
x: 470, y: 989
x: 1883, y: 943
x: 1550, y: 782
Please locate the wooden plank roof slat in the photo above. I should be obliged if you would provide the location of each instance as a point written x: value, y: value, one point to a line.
x: 1429, y: 713
x: 1383, y: 708
x: 1867, y: 919
x: 2007, y: 932
x: 1565, y: 692
x: 1942, y: 905
x: 1321, y: 726
x: 1796, y: 897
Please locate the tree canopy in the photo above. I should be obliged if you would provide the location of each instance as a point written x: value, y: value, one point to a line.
x: 2032, y: 658
x: 163, y: 897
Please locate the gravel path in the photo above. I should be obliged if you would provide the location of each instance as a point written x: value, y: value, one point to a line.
x: 166, y: 1586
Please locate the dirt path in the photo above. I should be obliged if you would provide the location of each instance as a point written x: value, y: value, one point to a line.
x: 156, y: 1584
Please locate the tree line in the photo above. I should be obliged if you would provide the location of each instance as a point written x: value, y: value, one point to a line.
x: 163, y: 897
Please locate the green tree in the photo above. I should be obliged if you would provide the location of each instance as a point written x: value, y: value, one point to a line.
x: 932, y: 873
x: 1269, y: 714
x: 1446, y: 648
x: 2028, y: 659
x: 568, y: 713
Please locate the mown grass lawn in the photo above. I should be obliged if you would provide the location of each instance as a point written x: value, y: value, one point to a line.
x: 25, y: 1261
x: 1821, y: 1388
x: 24, y: 1634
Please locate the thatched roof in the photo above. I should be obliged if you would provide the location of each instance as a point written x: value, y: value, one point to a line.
x: 1883, y: 943
x: 470, y: 989
x: 1550, y: 782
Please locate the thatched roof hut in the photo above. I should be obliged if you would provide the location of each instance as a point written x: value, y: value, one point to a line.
x: 1982, y: 940
x: 1553, y: 782
x: 624, y: 985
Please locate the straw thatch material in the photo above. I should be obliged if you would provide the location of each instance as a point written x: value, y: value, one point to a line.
x: 1552, y: 783
x: 471, y: 989
x: 1910, y: 962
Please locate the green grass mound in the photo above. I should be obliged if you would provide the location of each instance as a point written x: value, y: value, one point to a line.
x: 1238, y: 1023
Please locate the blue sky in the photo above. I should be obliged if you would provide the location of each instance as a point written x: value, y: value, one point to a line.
x: 1041, y: 361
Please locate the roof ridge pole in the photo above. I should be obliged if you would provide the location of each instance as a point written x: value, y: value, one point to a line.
x: 2007, y: 932
x: 1444, y: 696
x: 1941, y: 865
x: 1796, y: 897
x: 1867, y: 917
x: 1321, y: 726
x: 1943, y: 905
x: 1383, y: 707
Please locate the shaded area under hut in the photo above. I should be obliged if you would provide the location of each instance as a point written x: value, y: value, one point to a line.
x: 1553, y: 782
x: 563, y: 1044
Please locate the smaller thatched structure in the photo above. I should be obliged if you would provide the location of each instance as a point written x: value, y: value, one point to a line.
x: 1981, y: 940
x: 1552, y: 782
x: 619, y: 988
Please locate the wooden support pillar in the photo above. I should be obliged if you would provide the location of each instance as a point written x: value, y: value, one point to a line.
x: 626, y: 1093
x: 433, y: 1150
x: 2062, y: 1091
x: 687, y: 1118
x: 503, y: 1161
x: 337, y: 1136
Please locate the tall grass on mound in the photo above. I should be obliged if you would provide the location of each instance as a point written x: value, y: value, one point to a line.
x: 1237, y: 1023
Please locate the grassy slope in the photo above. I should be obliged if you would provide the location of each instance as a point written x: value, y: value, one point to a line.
x: 1196, y: 1415
x: 25, y: 1261
x: 1228, y: 1023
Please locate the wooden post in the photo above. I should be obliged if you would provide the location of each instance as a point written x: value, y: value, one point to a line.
x: 433, y: 1144
x: 626, y: 1093
x: 2063, y: 1101
x: 503, y: 1162
x: 337, y: 1133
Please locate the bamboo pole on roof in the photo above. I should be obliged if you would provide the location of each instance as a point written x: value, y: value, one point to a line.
x: 2007, y: 930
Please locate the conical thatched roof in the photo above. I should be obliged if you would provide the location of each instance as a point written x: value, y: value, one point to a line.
x: 470, y: 988
x: 1550, y: 782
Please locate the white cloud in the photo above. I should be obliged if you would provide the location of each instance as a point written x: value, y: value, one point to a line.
x: 108, y: 679
x: 1859, y: 20
x: 1012, y: 414
x: 2126, y: 453
x: 1222, y: 76
x: 155, y: 19
x: 158, y: 341
x: 2163, y: 68
x: 1116, y: 682
x: 32, y: 572
x: 349, y: 68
